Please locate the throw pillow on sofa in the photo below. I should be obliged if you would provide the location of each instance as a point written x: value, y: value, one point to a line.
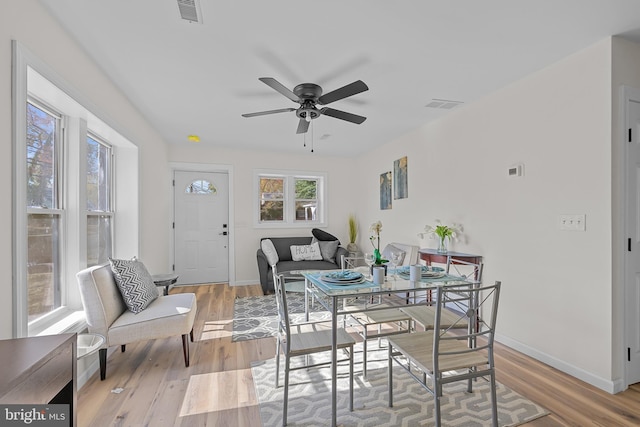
x: 328, y: 249
x: 323, y: 236
x: 134, y: 282
x: 269, y: 251
x: 306, y: 252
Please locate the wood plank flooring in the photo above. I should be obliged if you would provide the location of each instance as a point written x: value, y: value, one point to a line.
x: 148, y: 385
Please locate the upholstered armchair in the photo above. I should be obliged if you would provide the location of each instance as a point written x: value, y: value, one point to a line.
x: 108, y: 315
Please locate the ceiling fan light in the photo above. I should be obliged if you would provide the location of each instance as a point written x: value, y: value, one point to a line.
x: 307, y: 116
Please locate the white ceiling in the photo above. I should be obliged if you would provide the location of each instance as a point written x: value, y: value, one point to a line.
x: 191, y: 78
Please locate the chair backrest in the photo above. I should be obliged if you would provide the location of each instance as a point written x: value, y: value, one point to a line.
x: 284, y: 327
x: 462, y: 300
x: 410, y: 252
x: 469, y: 270
x: 101, y: 298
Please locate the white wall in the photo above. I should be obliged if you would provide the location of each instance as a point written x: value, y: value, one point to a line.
x: 558, y: 297
x: 246, y: 237
x: 557, y: 285
x: 28, y: 22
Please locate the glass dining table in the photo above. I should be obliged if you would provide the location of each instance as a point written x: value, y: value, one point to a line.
x: 320, y: 288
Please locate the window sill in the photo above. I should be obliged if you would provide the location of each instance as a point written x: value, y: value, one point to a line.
x: 72, y: 321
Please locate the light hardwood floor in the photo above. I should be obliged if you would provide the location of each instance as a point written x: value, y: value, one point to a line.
x: 148, y: 385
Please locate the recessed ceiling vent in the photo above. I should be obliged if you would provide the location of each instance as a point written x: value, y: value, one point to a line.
x: 443, y: 104
x: 190, y: 10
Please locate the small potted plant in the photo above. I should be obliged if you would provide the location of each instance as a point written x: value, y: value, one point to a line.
x: 353, y: 234
x: 376, y: 228
x: 443, y: 232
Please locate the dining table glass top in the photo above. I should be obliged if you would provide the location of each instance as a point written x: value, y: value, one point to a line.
x: 328, y: 282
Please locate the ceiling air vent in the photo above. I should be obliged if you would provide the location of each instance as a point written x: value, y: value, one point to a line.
x: 444, y: 104
x: 190, y: 10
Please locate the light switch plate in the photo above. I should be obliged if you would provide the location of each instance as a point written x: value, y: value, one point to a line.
x: 576, y: 222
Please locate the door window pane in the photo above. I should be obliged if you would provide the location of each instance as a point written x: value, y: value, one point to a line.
x: 43, y: 275
x: 201, y: 186
x: 99, y: 241
x: 42, y: 131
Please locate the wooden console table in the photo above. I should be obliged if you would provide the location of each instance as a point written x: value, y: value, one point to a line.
x: 39, y: 370
x: 432, y: 255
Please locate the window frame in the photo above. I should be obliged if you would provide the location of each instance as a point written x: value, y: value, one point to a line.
x: 57, y: 209
x: 31, y: 77
x: 289, y: 214
x: 110, y: 212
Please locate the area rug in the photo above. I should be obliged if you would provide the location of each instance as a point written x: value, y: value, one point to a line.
x: 257, y: 316
x: 310, y: 399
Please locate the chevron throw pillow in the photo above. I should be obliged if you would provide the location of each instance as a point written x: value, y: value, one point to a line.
x: 134, y: 282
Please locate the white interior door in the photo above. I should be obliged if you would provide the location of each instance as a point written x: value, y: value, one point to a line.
x: 201, y: 209
x: 632, y: 261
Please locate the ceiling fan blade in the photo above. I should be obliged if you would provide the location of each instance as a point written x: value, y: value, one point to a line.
x: 343, y: 115
x: 344, y: 92
x: 303, y: 126
x: 264, y: 113
x: 274, y: 84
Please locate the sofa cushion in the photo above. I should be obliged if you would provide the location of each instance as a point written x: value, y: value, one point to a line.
x: 328, y: 249
x: 323, y: 236
x: 285, y: 266
x: 269, y: 251
x: 134, y: 282
x: 283, y: 245
x: 306, y: 252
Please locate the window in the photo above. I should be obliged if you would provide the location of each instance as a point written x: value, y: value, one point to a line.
x: 44, y: 213
x: 66, y: 160
x: 99, y: 210
x: 289, y: 199
x: 201, y: 186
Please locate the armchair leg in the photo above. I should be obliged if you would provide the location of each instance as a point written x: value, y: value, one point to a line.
x: 102, y: 355
x: 191, y: 334
x: 185, y: 349
x: 122, y: 347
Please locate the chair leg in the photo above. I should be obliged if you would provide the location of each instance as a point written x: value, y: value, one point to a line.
x: 103, y: 363
x: 185, y: 349
x: 364, y: 351
x: 122, y: 347
x: 191, y: 334
x: 390, y: 376
x: 277, y: 362
x: 351, y: 355
x: 494, y: 401
x: 285, y: 403
x: 437, y: 394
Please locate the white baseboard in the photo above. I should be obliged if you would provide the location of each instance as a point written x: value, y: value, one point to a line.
x: 606, y: 385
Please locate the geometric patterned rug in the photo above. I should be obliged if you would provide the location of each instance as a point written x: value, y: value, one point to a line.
x: 257, y: 317
x: 310, y: 398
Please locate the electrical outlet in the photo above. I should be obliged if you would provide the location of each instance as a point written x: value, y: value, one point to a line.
x: 572, y: 222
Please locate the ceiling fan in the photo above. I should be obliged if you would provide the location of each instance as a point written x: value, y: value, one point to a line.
x: 308, y: 95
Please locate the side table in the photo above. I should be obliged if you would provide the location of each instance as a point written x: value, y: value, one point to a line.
x: 88, y: 344
x: 165, y: 280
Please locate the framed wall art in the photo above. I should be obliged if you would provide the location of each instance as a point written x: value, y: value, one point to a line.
x: 385, y: 191
x: 400, y: 181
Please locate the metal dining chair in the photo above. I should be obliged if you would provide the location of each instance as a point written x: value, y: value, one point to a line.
x: 444, y: 355
x: 424, y: 315
x: 303, y: 339
x: 371, y: 316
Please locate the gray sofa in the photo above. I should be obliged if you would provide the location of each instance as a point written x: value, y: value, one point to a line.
x: 286, y: 263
